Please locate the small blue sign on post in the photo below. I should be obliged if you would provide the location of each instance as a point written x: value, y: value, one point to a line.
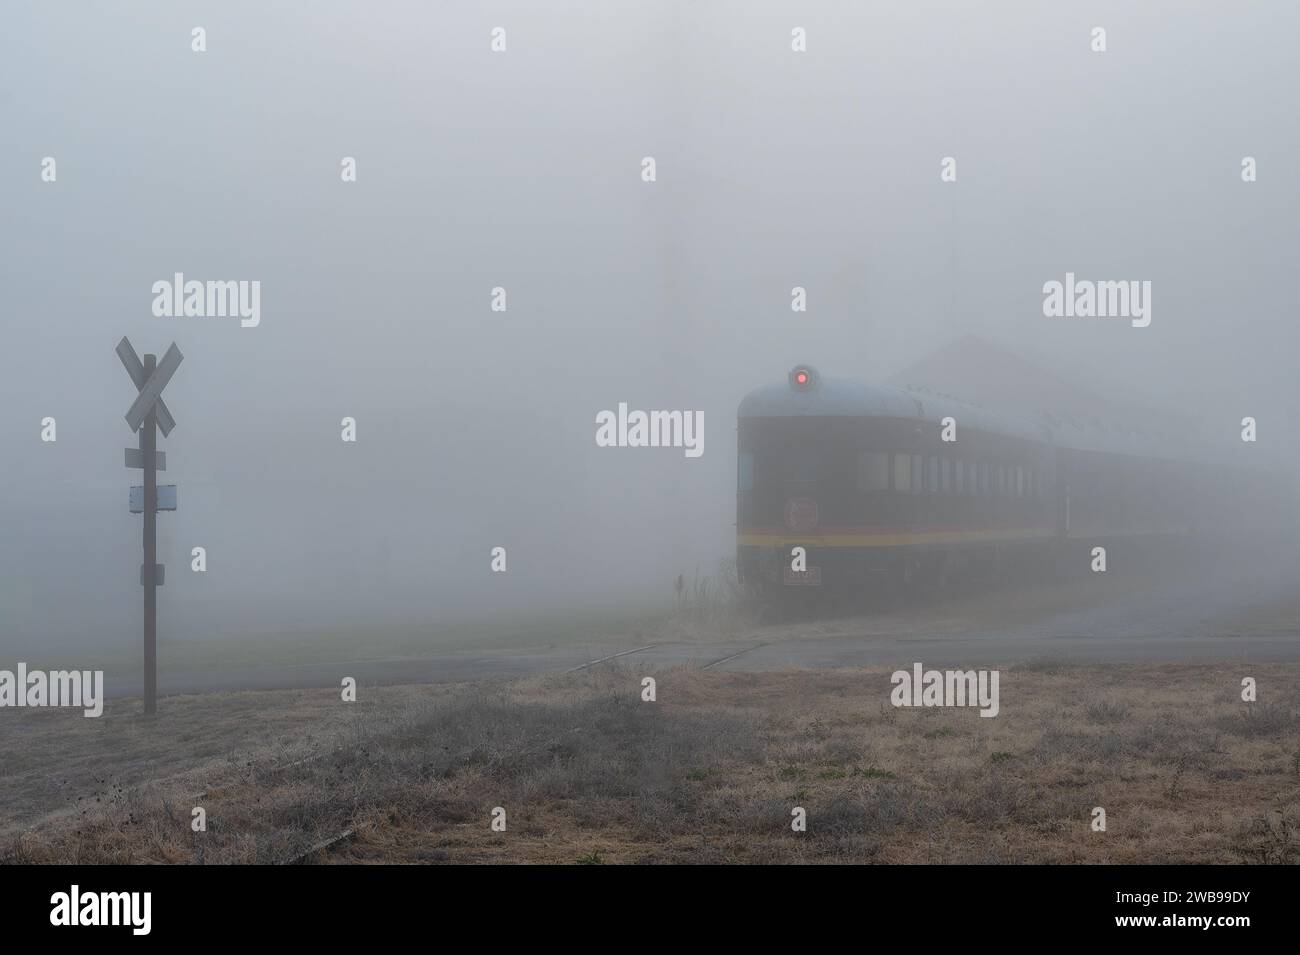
x: 166, y: 498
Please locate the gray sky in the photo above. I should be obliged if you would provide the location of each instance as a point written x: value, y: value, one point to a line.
x: 522, y: 170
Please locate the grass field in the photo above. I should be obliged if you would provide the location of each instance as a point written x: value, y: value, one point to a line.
x: 587, y: 772
x: 343, y: 644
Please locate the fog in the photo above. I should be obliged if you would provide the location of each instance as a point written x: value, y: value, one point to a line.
x: 523, y: 170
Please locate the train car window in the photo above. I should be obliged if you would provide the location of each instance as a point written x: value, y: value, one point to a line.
x: 903, y: 473
x: 1020, y: 481
x: 873, y: 470
x: 1002, y: 481
x: 984, y: 478
x: 917, y: 476
x: 933, y: 469
x: 745, y: 472
x: 947, y: 475
x: 960, y: 482
x: 797, y: 466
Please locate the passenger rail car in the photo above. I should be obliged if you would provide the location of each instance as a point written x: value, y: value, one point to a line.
x: 861, y: 478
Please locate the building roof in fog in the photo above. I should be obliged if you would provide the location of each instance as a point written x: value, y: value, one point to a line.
x: 984, y: 373
x: 990, y: 389
x: 837, y: 397
x: 993, y: 377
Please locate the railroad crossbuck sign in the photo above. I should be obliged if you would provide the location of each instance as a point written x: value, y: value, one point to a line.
x: 135, y: 368
x: 147, y: 415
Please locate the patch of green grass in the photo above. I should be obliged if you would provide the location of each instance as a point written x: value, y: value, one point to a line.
x: 1001, y: 756
x: 591, y: 858
x: 941, y: 733
x: 871, y: 772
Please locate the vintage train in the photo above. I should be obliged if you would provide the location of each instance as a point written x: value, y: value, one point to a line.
x: 881, y: 483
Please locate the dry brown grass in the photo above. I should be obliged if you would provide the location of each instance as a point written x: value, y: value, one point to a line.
x: 709, y: 773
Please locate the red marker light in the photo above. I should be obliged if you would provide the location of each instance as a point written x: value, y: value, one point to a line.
x: 803, y: 378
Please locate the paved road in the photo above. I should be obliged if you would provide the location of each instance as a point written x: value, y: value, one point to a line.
x: 1244, y: 618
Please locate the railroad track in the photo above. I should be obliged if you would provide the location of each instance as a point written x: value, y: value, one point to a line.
x: 651, y: 646
x: 612, y: 656
x: 733, y: 656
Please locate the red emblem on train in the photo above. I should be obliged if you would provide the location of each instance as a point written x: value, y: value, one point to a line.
x: 800, y: 513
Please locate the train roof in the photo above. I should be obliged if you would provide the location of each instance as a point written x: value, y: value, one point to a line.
x: 846, y: 397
